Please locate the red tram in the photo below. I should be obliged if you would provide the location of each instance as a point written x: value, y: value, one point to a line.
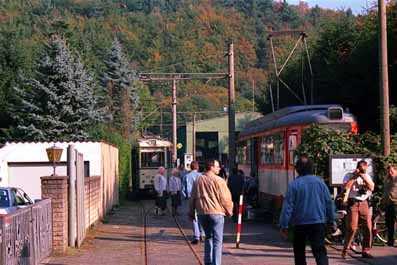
x: 266, y: 146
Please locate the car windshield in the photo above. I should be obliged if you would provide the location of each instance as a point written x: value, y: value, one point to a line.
x: 4, y: 199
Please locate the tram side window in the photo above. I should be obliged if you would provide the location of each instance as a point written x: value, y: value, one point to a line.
x: 292, y: 144
x: 152, y: 159
x: 243, y: 153
x: 267, y: 150
x: 272, y: 149
x: 240, y: 154
x: 278, y: 149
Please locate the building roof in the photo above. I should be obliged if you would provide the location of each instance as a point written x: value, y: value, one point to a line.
x: 153, y: 142
x: 241, y: 117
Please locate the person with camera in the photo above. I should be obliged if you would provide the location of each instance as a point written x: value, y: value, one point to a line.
x: 359, y: 187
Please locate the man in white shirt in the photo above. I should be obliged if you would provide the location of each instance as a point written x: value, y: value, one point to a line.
x: 359, y: 187
x: 174, y: 188
x: 160, y: 186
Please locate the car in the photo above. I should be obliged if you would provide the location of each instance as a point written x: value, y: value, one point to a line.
x: 12, y: 198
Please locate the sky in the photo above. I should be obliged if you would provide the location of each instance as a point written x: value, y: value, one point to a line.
x: 357, y: 6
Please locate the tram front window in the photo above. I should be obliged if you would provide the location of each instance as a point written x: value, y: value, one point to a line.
x: 152, y: 159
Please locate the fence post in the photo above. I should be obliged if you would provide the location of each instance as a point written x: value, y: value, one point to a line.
x: 71, y: 172
x: 239, y: 220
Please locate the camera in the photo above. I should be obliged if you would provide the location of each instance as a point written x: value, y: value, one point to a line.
x: 362, y: 190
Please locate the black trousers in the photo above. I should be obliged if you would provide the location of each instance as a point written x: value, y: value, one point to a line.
x: 390, y: 220
x: 315, y: 234
x: 161, y: 202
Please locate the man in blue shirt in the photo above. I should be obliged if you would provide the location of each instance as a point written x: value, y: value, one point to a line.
x: 308, y: 207
x: 190, y: 178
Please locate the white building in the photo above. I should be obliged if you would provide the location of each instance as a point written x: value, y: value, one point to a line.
x: 23, y: 163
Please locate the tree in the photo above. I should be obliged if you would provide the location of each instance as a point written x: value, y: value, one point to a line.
x: 59, y: 103
x: 393, y: 118
x: 120, y: 90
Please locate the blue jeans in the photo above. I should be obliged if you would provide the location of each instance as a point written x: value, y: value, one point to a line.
x: 196, y: 229
x: 213, y: 228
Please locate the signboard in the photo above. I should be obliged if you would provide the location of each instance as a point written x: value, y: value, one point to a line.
x: 341, y: 165
x: 188, y: 160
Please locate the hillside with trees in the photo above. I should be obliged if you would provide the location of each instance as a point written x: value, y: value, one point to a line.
x: 111, y: 41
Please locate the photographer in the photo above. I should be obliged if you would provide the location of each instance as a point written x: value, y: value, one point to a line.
x: 359, y: 187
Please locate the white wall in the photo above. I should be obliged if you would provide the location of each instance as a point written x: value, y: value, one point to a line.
x: 28, y: 176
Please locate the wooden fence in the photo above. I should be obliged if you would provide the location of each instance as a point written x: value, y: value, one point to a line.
x: 26, y: 235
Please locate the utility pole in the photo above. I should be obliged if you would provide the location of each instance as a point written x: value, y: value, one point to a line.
x: 161, y: 122
x: 232, y: 126
x: 383, y: 78
x: 194, y: 136
x: 174, y: 122
x: 253, y: 95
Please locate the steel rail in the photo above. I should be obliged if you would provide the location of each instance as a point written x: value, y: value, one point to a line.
x: 187, y: 241
x: 145, y: 239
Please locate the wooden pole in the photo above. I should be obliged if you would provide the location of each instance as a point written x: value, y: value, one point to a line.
x: 194, y: 136
x: 174, y: 140
x: 231, y: 110
x: 384, y: 78
x: 253, y: 95
x: 161, y: 122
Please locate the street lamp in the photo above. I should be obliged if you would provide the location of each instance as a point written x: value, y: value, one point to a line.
x: 54, y: 154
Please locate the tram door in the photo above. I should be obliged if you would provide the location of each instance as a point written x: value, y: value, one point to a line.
x: 254, y: 157
x: 292, y: 143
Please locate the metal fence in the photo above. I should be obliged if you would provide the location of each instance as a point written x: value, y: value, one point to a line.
x: 26, y: 235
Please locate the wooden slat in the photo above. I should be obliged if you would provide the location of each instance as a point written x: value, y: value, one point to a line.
x: 26, y: 235
x: 81, y: 227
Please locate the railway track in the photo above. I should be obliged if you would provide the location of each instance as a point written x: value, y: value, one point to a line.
x: 172, y: 224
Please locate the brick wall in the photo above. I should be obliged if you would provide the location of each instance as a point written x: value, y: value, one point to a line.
x: 92, y: 200
x: 56, y: 188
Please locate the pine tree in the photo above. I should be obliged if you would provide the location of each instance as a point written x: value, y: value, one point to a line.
x: 120, y: 86
x: 59, y: 103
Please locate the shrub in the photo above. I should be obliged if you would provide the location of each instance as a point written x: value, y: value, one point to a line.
x: 319, y: 143
x: 102, y: 133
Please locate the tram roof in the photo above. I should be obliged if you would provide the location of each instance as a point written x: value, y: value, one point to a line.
x: 295, y: 115
x: 153, y: 142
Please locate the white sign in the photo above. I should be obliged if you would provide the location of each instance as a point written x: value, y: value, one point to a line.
x: 341, y: 165
x: 188, y: 160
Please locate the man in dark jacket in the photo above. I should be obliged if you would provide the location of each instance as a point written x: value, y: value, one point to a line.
x: 236, y: 184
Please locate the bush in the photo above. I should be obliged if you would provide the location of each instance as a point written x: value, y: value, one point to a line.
x: 319, y: 143
x: 103, y: 133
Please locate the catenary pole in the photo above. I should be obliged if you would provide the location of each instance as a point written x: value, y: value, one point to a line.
x: 174, y: 143
x: 231, y: 110
x: 383, y: 78
x: 253, y: 95
x: 194, y: 136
